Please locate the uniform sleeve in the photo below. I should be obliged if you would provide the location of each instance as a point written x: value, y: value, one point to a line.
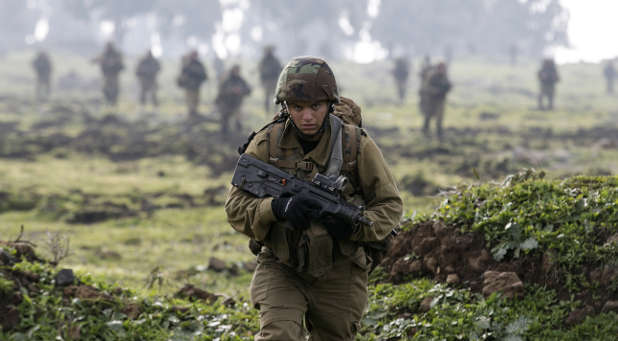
x: 383, y: 204
x: 246, y: 213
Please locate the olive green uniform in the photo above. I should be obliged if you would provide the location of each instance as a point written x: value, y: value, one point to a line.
x: 147, y: 70
x: 327, y: 291
x: 548, y: 77
x: 43, y: 68
x: 401, y: 73
x: 232, y: 92
x: 111, y: 65
x: 433, y: 93
x: 192, y: 76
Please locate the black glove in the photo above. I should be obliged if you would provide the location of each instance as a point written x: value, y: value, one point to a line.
x: 299, y: 210
x: 338, y: 227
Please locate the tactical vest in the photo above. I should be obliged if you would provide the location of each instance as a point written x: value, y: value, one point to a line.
x: 313, y: 251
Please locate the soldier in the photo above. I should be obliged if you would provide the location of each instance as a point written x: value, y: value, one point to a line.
x: 548, y: 77
x: 269, y: 67
x: 43, y: 68
x: 433, y: 96
x: 232, y: 91
x: 192, y: 75
x: 146, y: 71
x: 111, y: 64
x: 313, y: 272
x: 610, y: 73
x: 401, y: 73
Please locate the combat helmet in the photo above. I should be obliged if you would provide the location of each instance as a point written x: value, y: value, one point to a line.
x: 306, y: 79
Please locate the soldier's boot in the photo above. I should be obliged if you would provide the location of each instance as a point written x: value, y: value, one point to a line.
x: 550, y: 100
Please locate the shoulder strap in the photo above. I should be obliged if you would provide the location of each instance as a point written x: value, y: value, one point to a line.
x: 279, y: 118
x: 336, y: 153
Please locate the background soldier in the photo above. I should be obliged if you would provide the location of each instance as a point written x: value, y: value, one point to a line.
x: 401, y: 73
x: 43, y: 68
x: 147, y: 70
x: 111, y: 64
x: 269, y: 67
x: 312, y: 271
x: 610, y: 73
x: 433, y: 97
x: 192, y: 75
x: 548, y: 77
x: 232, y: 91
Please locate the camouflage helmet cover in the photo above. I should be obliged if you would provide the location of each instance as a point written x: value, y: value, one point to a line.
x: 306, y: 79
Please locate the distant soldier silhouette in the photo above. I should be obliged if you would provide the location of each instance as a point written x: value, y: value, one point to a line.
x: 434, y: 89
x: 219, y: 66
x: 424, y: 69
x: 401, y: 73
x: 232, y: 91
x: 147, y: 70
x: 192, y: 75
x: 43, y: 68
x: 111, y: 65
x: 548, y: 77
x: 610, y: 73
x: 269, y: 67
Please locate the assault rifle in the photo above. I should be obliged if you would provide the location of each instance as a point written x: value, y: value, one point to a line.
x: 265, y: 180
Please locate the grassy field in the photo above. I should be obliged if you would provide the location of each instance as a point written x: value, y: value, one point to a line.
x: 492, y: 129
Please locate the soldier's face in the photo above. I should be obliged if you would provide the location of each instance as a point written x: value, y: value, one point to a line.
x: 308, y: 117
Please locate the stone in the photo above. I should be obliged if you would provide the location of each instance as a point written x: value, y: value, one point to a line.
x: 506, y: 283
x: 64, y: 277
x: 478, y: 262
x: 217, y: 265
x: 610, y: 306
x: 425, y: 304
x: 452, y: 279
x: 578, y: 316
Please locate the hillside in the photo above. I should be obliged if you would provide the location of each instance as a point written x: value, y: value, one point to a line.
x: 527, y: 258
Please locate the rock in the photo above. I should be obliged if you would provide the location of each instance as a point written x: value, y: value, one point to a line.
x: 577, y: 316
x: 192, y: 293
x: 216, y: 264
x: 478, y: 262
x: 431, y: 264
x: 610, y: 306
x: 452, y: 279
x: 64, y: 277
x: 425, y: 304
x: 506, y: 283
x: 425, y: 246
x: 132, y: 310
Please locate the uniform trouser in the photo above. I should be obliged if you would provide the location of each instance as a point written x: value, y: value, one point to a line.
x: 330, y: 307
x: 433, y: 109
x: 547, y: 91
x: 148, y: 90
x: 610, y: 85
x: 111, y: 89
x: 43, y: 89
x: 227, y: 114
x: 401, y: 90
x: 193, y: 100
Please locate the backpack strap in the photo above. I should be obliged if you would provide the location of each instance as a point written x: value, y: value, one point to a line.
x: 336, y: 153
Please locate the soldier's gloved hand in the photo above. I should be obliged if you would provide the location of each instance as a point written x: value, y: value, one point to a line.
x: 339, y: 228
x: 299, y: 210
